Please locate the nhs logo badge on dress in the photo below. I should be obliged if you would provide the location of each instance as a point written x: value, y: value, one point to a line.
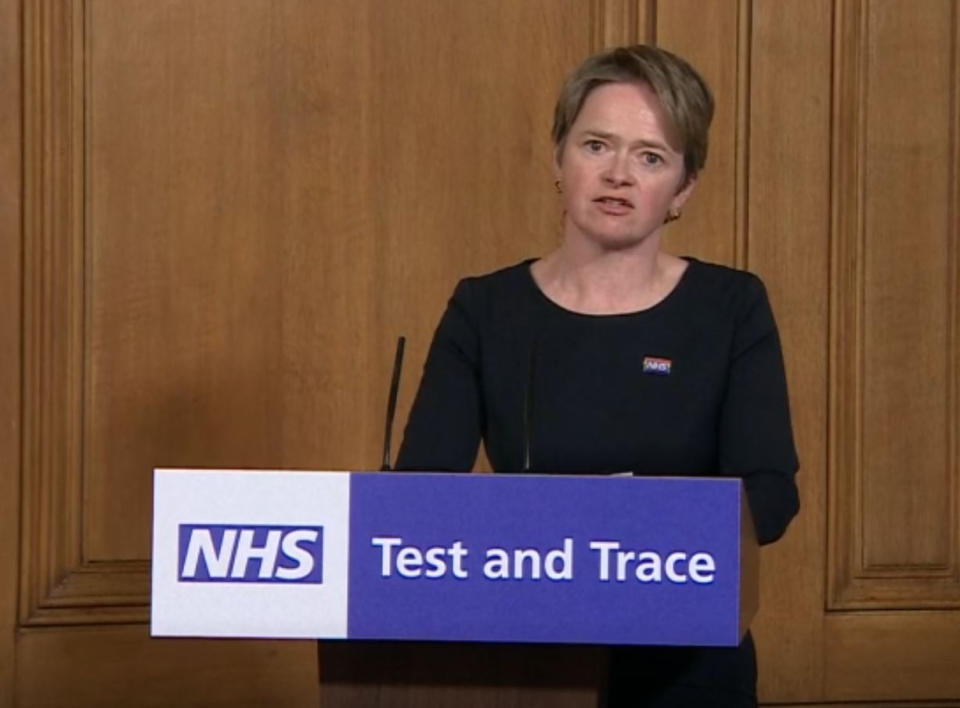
x: 657, y: 365
x: 222, y: 553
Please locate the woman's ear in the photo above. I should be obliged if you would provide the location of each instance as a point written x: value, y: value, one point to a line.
x: 684, y: 192
x: 557, y: 159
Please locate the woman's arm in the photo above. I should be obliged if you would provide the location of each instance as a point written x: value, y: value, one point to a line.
x: 445, y: 423
x: 755, y: 434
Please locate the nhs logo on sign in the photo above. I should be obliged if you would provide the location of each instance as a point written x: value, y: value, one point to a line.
x: 210, y: 553
x: 250, y: 553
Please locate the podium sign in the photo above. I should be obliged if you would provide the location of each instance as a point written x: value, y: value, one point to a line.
x: 452, y: 557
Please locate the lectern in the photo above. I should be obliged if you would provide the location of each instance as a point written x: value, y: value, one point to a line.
x: 452, y: 589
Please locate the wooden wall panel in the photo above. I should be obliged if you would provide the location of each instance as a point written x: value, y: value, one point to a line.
x: 620, y: 22
x: 231, y: 210
x: 892, y: 655
x: 249, y: 277
x: 894, y: 392
x: 712, y: 227
x: 387, y: 675
x: 787, y: 244
x: 188, y: 218
x: 892, y: 465
x: 107, y: 667
x: 52, y: 304
x: 234, y: 210
x: 10, y: 373
x: 909, y: 289
x: 229, y: 294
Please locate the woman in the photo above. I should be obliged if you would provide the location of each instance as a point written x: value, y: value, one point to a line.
x: 610, y: 355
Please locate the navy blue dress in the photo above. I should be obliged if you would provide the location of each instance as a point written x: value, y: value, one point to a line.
x: 694, y: 385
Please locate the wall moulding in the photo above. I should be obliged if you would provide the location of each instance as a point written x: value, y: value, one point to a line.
x: 854, y: 580
x: 618, y: 22
x: 57, y: 586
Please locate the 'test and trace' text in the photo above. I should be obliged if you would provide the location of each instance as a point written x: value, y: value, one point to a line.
x: 610, y: 562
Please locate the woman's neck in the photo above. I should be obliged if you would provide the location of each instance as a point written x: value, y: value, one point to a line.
x: 608, y: 282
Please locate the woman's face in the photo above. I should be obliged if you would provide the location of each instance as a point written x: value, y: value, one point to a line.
x: 619, y: 173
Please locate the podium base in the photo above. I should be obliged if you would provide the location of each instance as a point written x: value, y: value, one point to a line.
x: 441, y: 674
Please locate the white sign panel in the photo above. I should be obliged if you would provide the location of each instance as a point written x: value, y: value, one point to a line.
x: 250, y: 554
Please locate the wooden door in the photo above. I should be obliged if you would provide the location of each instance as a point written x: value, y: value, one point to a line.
x: 217, y: 216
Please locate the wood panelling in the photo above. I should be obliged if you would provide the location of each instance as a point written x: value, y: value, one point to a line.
x: 787, y: 240
x: 163, y: 301
x: 908, y: 296
x: 888, y: 655
x: 58, y: 584
x: 122, y: 666
x: 10, y: 333
x: 619, y: 22
x: 53, y: 301
x: 234, y: 210
x: 845, y: 303
x: 710, y: 228
x: 249, y: 277
x: 894, y: 341
x: 230, y: 210
x: 388, y: 675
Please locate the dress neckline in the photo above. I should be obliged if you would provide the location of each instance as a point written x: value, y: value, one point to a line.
x: 645, y: 312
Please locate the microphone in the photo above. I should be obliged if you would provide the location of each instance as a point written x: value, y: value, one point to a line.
x: 528, y: 405
x: 392, y: 403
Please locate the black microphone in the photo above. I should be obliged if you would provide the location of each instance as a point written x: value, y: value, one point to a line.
x: 392, y: 403
x: 528, y: 406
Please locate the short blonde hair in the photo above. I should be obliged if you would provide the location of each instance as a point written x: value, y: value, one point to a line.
x: 685, y: 96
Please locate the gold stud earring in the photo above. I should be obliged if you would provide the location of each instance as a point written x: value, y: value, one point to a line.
x: 672, y: 215
x: 558, y: 188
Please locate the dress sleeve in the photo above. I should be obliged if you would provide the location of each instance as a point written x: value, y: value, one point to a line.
x: 755, y: 435
x: 444, y: 428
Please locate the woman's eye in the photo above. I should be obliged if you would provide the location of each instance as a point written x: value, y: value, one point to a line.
x: 651, y: 158
x: 594, y: 145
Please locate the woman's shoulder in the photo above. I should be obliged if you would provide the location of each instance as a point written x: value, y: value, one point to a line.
x: 510, y: 276
x: 724, y: 282
x: 719, y: 293
x: 503, y: 284
x: 719, y: 275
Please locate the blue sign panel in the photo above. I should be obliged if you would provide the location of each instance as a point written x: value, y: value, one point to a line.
x: 595, y: 560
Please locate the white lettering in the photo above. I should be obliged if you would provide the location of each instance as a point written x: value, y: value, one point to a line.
x: 292, y: 551
x: 565, y: 557
x: 702, y: 568
x: 624, y: 557
x: 436, y: 566
x: 519, y: 555
x: 409, y: 560
x: 412, y: 562
x: 672, y: 560
x: 246, y: 551
x: 385, y: 543
x: 497, y: 565
x: 604, y: 547
x: 457, y: 554
x: 201, y: 542
x: 648, y: 567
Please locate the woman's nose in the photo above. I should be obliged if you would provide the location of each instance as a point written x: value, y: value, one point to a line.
x: 618, y: 170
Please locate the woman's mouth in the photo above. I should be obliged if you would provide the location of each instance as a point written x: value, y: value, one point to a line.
x: 614, y: 205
